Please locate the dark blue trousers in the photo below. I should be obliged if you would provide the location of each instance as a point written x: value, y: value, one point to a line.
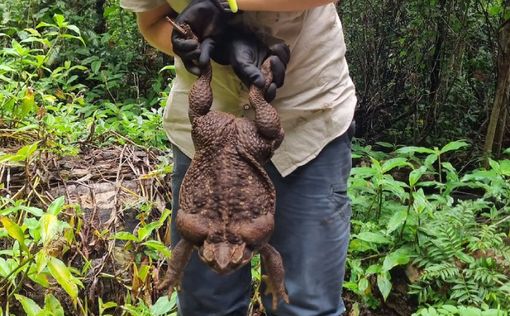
x: 311, y: 233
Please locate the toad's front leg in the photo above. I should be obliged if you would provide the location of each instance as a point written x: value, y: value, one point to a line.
x: 267, y: 119
x: 273, y: 266
x: 200, y: 97
x: 180, y: 257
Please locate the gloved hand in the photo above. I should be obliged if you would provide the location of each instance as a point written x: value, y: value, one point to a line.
x: 207, y: 18
x: 246, y: 53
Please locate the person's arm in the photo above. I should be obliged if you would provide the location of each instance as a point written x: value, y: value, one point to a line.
x: 280, y: 5
x: 155, y: 28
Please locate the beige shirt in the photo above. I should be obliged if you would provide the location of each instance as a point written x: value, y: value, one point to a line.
x: 316, y: 103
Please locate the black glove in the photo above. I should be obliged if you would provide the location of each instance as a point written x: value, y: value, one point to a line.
x: 207, y: 18
x: 246, y: 53
x: 223, y: 4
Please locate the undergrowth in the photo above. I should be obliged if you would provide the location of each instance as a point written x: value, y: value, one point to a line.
x: 445, y: 232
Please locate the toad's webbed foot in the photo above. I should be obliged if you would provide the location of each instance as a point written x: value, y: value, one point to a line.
x: 180, y: 257
x: 273, y: 266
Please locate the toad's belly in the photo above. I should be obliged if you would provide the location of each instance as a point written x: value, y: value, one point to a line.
x: 224, y: 185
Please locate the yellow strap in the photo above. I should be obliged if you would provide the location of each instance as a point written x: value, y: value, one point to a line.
x: 233, y: 5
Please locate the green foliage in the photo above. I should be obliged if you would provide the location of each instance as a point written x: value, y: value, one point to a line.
x: 50, y: 92
x: 33, y: 235
x: 450, y: 310
x: 51, y: 307
x: 163, y: 306
x: 413, y: 210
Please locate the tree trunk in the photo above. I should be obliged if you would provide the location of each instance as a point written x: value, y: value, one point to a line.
x: 500, y: 133
x: 501, y: 100
x: 436, y: 68
x: 101, y: 21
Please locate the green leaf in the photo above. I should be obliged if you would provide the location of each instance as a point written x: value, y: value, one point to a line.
x: 495, y: 166
x: 397, y: 219
x: 73, y: 37
x: 384, y: 284
x: 430, y: 160
x: 394, y: 163
x: 376, y: 165
x: 450, y: 308
x: 464, y: 257
x: 416, y: 175
x: 40, y: 278
x: 34, y: 228
x: 158, y: 246
x: 166, y: 213
x: 453, y: 146
x: 395, y: 187
x: 493, y: 312
x: 14, y: 231
x: 29, y: 306
x: 420, y: 201
x: 74, y: 28
x: 95, y: 65
x: 363, y: 172
x: 44, y: 24
x: 146, y: 230
x: 431, y: 311
x: 60, y: 20
x: 27, y: 103
x: 41, y: 260
x: 4, y: 268
x: 495, y: 9
x: 49, y: 227
x: 32, y: 210
x: 469, y: 311
x: 56, y: 206
x: 398, y: 257
x: 413, y: 149
x: 52, y: 305
x: 504, y: 167
x: 105, y: 306
x: 371, y: 237
x: 7, y: 68
x: 20, y: 50
x: 63, y: 276
x: 164, y: 305
x: 125, y: 236
x: 143, y: 272
x: 24, y: 152
x: 363, y: 285
x: 373, y: 269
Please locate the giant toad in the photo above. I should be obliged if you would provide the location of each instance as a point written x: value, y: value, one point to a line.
x: 227, y: 201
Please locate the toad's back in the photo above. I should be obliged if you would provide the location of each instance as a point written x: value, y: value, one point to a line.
x: 226, y: 179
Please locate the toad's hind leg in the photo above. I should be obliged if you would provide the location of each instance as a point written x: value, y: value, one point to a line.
x: 273, y: 266
x: 180, y: 257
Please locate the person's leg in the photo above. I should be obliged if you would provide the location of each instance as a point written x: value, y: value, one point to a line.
x: 312, y: 232
x: 204, y: 292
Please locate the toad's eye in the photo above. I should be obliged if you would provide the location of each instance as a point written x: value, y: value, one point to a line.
x: 215, y: 238
x: 233, y: 239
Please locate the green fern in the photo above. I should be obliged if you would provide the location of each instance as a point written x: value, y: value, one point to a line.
x: 462, y: 260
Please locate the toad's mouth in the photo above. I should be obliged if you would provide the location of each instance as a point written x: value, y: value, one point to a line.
x: 224, y: 257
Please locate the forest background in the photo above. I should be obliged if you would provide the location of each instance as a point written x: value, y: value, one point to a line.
x: 84, y: 162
